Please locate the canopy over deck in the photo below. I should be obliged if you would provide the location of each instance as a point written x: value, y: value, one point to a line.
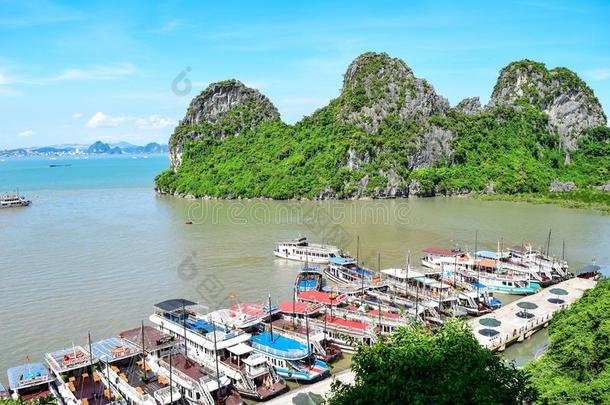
x: 488, y: 254
x: 441, y: 252
x: 240, y: 349
x: 322, y: 297
x: 300, y: 308
x: 174, y: 304
x: 68, y: 359
x: 341, y: 260
x: 28, y: 375
x: 253, y: 309
x: 113, y: 349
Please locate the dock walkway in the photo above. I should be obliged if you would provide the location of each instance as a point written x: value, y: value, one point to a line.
x: 522, y: 318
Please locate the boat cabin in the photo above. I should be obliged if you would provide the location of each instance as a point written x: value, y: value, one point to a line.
x: 30, y: 381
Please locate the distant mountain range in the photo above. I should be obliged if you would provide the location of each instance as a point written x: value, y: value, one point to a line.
x: 96, y: 148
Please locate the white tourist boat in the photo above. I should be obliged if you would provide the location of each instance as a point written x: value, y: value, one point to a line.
x: 302, y: 250
x: 13, y: 200
x: 217, y: 346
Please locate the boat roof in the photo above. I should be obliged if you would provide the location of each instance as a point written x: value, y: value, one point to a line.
x: 345, y: 323
x: 341, y: 260
x: 430, y: 282
x: 253, y: 309
x: 486, y: 262
x: 27, y: 375
x: 71, y: 358
x: 153, y: 339
x: 240, y: 349
x: 488, y: 254
x: 439, y: 251
x: 113, y: 349
x: 402, y: 273
x: 279, y: 342
x: 303, y: 308
x: 322, y: 297
x: 174, y: 304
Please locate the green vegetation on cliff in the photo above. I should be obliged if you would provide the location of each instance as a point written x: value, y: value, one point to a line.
x: 389, y: 135
x: 576, y: 367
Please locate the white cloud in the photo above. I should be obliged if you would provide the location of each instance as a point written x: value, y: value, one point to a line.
x: 599, y: 74
x: 97, y: 72
x: 154, y: 122
x: 101, y: 120
x: 26, y: 133
x: 4, y: 79
x: 77, y: 115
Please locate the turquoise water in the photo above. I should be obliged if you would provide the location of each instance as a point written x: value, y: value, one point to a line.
x: 97, y: 248
x: 94, y: 173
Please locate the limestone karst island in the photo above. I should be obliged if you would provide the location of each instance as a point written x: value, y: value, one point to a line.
x: 312, y: 203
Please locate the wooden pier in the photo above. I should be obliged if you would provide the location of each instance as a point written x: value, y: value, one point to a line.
x: 520, y: 319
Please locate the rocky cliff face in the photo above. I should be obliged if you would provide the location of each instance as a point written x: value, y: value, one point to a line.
x: 568, y: 102
x: 376, y: 86
x: 469, y: 106
x: 225, y: 108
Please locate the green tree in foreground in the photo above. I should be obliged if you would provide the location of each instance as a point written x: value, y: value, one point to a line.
x: 447, y: 366
x: 576, y: 367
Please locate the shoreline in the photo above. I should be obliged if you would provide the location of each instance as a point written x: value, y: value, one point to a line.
x: 538, y: 199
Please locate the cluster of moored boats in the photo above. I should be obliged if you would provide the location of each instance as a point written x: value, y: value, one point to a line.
x: 248, y: 350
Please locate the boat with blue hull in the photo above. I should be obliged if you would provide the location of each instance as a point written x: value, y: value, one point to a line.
x: 310, y: 278
x: 290, y: 358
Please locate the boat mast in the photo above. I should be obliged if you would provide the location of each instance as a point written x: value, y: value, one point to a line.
x: 90, y: 353
x: 476, y: 263
x: 171, y: 381
x: 270, y: 320
x: 307, y: 334
x: 548, y: 242
x: 407, y: 274
x: 143, y: 356
x: 184, y: 328
x: 216, y: 357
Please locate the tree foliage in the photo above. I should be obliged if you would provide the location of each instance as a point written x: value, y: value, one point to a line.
x: 576, y: 367
x: 447, y: 366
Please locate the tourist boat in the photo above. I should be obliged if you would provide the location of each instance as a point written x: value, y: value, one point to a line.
x: 77, y: 380
x: 309, y: 278
x: 346, y: 271
x: 30, y: 381
x: 292, y: 320
x: 197, y: 383
x: 291, y: 359
x: 13, y: 200
x: 302, y: 250
x: 125, y: 368
x: 489, y: 270
x: 217, y: 346
x: 344, y: 328
x: 485, y: 272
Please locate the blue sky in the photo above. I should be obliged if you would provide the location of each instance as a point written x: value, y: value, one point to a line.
x: 75, y: 73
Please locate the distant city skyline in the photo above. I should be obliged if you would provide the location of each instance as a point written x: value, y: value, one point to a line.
x: 114, y: 72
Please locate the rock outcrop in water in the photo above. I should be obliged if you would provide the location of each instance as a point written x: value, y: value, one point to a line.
x: 568, y: 102
x: 225, y: 108
x: 388, y: 134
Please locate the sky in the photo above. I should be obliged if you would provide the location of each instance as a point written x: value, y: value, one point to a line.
x: 73, y: 73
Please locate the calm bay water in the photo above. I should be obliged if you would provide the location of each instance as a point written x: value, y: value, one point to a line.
x: 98, y: 248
